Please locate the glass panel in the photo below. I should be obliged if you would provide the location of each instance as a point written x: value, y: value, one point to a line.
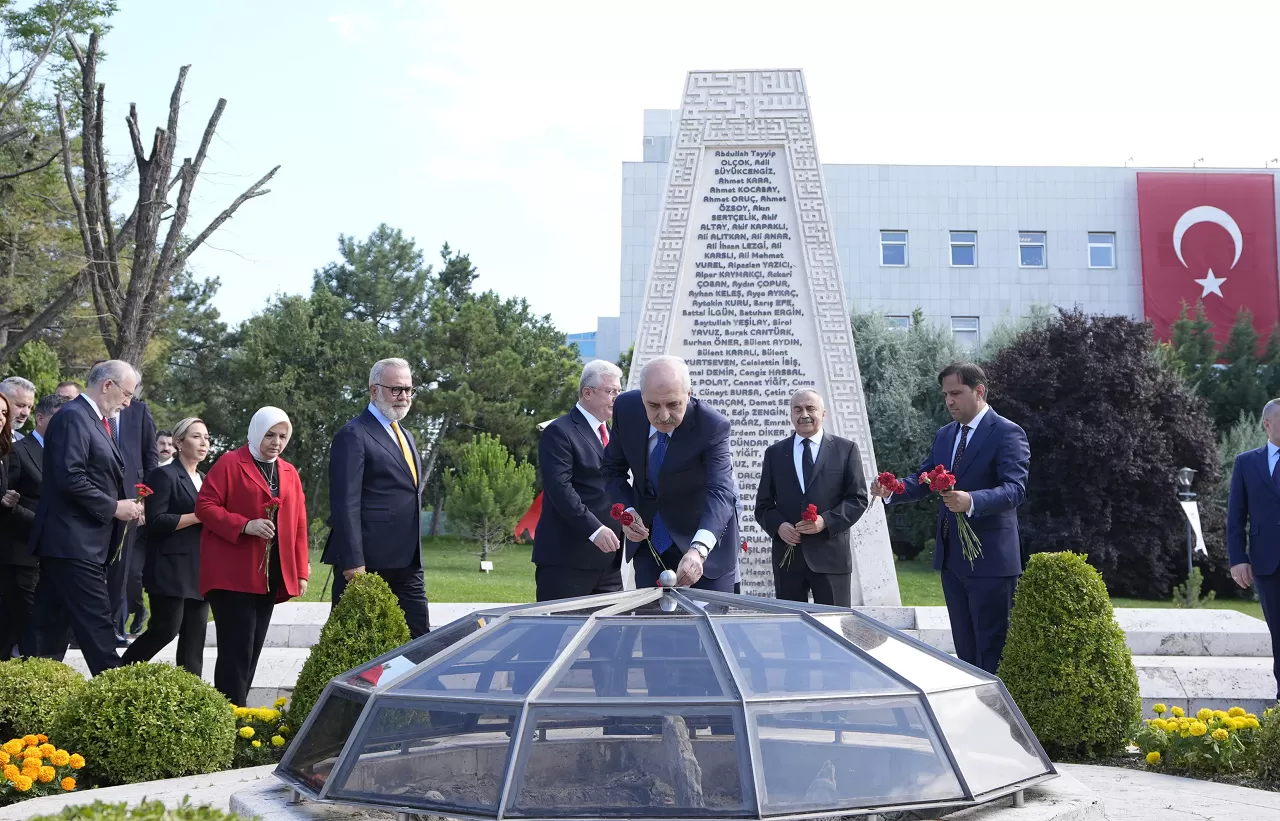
x: 893, y: 255
x: 435, y: 755
x: 986, y: 739
x: 1031, y: 256
x: 964, y: 236
x: 964, y: 323
x: 847, y: 754
x: 315, y: 752
x: 403, y: 659
x: 630, y: 762
x: 893, y: 236
x: 899, y: 323
x: 634, y: 659
x: 1032, y: 238
x: 928, y: 670
x: 964, y: 255
x: 1108, y: 239
x: 1101, y: 256
x: 505, y: 663
x: 664, y: 605
x: 787, y: 656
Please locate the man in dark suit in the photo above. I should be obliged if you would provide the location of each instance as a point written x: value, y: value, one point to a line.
x: 990, y: 458
x: 19, y: 570
x: 375, y: 496
x: 811, y: 467
x: 677, y: 449
x: 21, y: 394
x: 135, y: 436
x: 1253, y: 525
x: 576, y: 544
x: 80, y: 520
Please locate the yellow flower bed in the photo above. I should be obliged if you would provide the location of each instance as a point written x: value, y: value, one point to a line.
x: 1219, y: 741
x: 254, y: 724
x: 33, y: 767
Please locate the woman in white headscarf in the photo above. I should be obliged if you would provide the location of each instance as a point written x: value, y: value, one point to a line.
x: 253, y: 549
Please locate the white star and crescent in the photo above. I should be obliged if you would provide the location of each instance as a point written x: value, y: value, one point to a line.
x: 1211, y: 284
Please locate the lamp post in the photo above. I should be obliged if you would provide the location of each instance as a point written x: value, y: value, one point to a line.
x: 1185, y: 477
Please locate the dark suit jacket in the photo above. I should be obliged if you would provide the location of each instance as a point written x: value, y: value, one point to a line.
x: 1253, y: 514
x: 375, y: 506
x: 838, y: 489
x: 695, y: 487
x: 137, y: 444
x: 83, y: 481
x: 24, y: 474
x: 994, y: 471
x: 173, y: 556
x: 575, y: 501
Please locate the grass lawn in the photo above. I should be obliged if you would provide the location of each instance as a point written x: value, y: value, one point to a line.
x: 919, y: 585
x: 453, y: 575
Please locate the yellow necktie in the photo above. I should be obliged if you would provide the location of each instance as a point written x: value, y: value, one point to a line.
x: 404, y: 448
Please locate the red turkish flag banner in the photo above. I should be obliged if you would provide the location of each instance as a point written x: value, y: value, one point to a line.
x: 529, y: 521
x: 1208, y: 238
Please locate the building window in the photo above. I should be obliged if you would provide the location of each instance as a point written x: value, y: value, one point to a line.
x: 1102, y: 250
x: 965, y: 330
x: 893, y: 248
x: 1031, y: 249
x: 899, y: 323
x: 964, y: 249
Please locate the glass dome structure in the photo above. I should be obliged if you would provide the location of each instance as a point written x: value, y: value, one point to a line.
x: 662, y: 704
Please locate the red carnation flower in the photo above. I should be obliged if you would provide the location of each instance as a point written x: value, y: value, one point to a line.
x: 810, y: 513
x: 626, y: 518
x: 142, y: 490
x: 615, y: 512
x: 744, y: 545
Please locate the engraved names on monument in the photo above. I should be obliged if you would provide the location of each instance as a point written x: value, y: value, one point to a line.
x: 745, y: 286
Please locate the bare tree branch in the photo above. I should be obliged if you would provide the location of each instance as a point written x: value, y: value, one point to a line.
x: 44, y: 164
x: 16, y: 93
x: 70, y: 292
x: 255, y: 190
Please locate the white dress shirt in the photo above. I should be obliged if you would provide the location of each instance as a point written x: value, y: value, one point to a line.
x: 815, y: 443
x: 18, y: 437
x: 1273, y: 453
x: 386, y: 424
x: 93, y: 405
x: 36, y: 435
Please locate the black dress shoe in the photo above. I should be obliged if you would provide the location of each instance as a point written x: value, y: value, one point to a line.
x: 121, y: 641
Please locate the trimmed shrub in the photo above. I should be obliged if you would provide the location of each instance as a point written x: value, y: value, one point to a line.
x: 146, y: 722
x: 146, y: 811
x: 1267, y: 753
x: 32, y: 693
x: 366, y: 623
x: 1066, y: 663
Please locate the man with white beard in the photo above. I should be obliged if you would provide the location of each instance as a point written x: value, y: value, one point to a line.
x: 375, y: 496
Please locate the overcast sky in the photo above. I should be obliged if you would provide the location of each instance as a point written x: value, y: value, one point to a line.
x: 500, y: 127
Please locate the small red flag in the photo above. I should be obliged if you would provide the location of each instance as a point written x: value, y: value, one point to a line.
x: 529, y: 521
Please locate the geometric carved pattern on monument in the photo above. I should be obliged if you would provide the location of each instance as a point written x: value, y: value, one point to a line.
x: 722, y: 235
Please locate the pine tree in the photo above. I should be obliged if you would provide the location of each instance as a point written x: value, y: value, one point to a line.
x: 1270, y: 362
x: 488, y: 493
x: 1195, y: 348
x: 1238, y: 389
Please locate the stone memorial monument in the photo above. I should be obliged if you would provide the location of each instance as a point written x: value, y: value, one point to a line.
x: 745, y: 285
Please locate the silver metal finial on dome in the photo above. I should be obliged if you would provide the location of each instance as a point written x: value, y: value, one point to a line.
x: 667, y: 578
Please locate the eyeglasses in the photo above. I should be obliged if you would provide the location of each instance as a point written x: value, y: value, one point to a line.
x: 608, y: 391
x: 398, y: 390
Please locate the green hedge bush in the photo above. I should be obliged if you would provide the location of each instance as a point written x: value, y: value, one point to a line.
x: 146, y: 811
x: 32, y: 693
x: 145, y: 722
x: 1066, y: 663
x: 366, y: 623
x: 1267, y: 749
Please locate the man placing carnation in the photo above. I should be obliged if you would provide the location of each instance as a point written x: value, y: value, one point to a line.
x: 989, y: 458
x: 812, y: 491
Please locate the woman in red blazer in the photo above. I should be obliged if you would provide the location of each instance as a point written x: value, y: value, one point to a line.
x: 252, y: 553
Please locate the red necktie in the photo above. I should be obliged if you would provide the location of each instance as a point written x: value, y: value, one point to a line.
x: 107, y: 425
x: 604, y: 435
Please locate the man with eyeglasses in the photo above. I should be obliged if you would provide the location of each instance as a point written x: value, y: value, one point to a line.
x: 375, y: 496
x: 576, y: 543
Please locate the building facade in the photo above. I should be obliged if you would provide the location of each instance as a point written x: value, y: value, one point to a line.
x: 971, y: 246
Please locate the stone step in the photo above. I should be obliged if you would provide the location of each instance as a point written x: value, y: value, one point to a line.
x: 298, y: 624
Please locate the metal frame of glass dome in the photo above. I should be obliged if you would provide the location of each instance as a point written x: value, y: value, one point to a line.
x: 617, y: 607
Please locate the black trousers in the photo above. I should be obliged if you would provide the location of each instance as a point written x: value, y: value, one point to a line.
x: 135, y: 609
x: 571, y: 582
x: 173, y: 617
x: 17, y: 598
x: 73, y: 593
x: 242, y: 620
x: 410, y: 590
x: 979, y: 608
x: 796, y: 581
x: 647, y: 571
x: 1268, y: 588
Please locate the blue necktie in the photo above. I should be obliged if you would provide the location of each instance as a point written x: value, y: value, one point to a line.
x: 658, y: 533
x: 1275, y: 473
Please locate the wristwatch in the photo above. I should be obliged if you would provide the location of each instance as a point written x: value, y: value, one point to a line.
x: 702, y: 549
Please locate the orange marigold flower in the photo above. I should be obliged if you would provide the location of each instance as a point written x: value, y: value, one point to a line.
x: 47, y: 749
x: 68, y: 784
x: 12, y: 747
x: 23, y: 783
x: 42, y: 738
x: 30, y: 740
x: 10, y: 771
x: 4, y: 758
x: 31, y: 767
x: 60, y: 758
x: 47, y: 774
x: 77, y: 761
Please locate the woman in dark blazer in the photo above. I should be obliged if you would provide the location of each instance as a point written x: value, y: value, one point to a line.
x: 253, y: 552
x: 8, y: 499
x: 171, y: 573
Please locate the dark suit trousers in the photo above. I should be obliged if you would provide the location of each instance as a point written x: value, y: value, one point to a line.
x: 17, y: 597
x: 647, y: 570
x: 74, y: 592
x: 242, y: 620
x: 410, y: 590
x: 124, y: 579
x: 1268, y: 588
x: 571, y: 582
x: 797, y: 581
x: 136, y: 607
x: 979, y: 608
x: 172, y: 617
